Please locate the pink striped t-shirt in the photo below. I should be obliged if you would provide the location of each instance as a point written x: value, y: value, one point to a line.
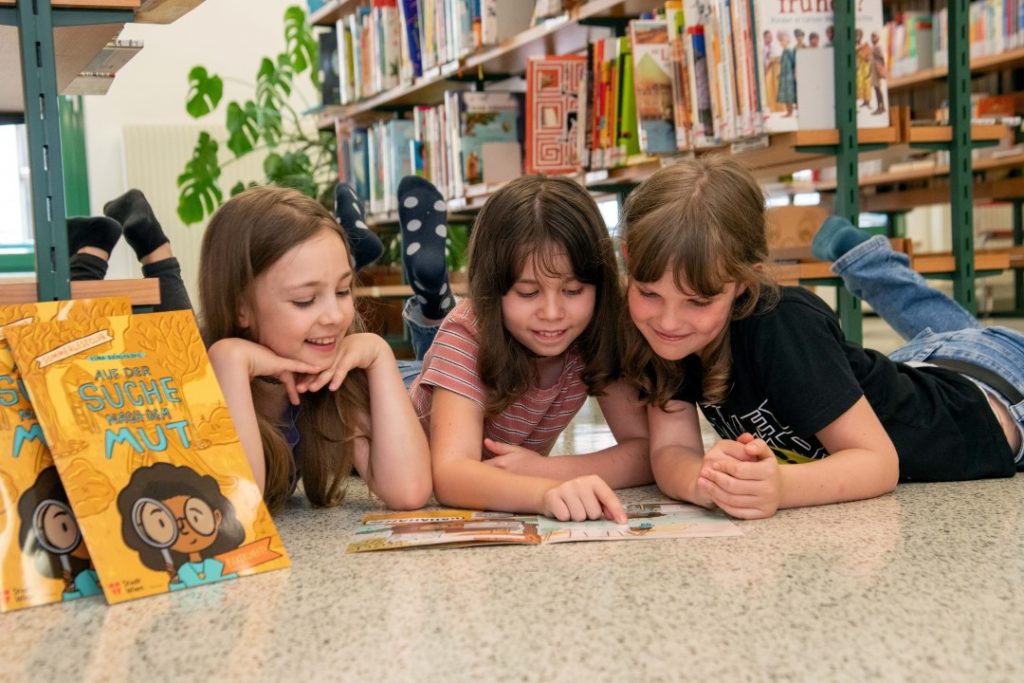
x: 533, y: 421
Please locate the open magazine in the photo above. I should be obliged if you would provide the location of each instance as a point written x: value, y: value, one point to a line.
x: 459, y: 528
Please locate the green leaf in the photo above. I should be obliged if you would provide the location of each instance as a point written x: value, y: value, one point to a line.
x: 204, y: 92
x: 273, y: 87
x: 303, y: 48
x: 291, y: 169
x: 239, y: 187
x: 199, y: 195
x: 243, y: 132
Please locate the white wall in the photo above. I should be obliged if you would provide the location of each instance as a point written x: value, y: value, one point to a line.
x: 228, y: 37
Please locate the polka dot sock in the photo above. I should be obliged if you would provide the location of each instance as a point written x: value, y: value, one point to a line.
x: 422, y: 216
x: 94, y: 231
x: 142, y: 230
x: 366, y: 246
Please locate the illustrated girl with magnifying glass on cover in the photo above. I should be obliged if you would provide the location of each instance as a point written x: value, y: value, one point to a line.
x: 49, y: 533
x: 178, y: 521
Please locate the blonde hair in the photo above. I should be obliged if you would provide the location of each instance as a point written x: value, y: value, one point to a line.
x: 245, y: 237
x: 703, y: 219
x: 536, y: 218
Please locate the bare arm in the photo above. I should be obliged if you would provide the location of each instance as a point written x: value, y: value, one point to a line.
x: 862, y: 464
x: 461, y: 479
x: 622, y: 465
x: 677, y: 451
x: 236, y: 362
x: 395, y: 462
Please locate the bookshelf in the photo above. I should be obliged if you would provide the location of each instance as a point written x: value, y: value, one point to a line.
x: 55, y: 41
x: 780, y: 153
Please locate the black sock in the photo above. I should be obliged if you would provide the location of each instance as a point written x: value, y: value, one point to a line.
x: 142, y: 230
x: 93, y: 231
x: 422, y: 216
x: 366, y: 246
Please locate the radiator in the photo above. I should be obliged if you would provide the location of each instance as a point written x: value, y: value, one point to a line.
x: 153, y: 158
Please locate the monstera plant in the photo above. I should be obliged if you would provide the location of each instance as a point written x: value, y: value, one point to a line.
x: 297, y: 155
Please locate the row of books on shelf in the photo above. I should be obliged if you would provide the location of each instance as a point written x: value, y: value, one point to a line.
x: 921, y: 37
x: 704, y: 72
x: 698, y: 74
x: 472, y: 137
x: 388, y: 43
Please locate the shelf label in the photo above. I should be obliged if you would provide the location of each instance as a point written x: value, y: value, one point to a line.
x: 760, y: 142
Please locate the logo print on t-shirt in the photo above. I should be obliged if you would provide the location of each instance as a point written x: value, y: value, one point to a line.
x: 784, y: 442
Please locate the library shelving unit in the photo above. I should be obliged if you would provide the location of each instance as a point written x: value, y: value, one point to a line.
x: 55, y: 41
x: 962, y: 189
x: 777, y: 154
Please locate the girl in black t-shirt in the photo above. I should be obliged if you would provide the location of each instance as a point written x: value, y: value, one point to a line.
x: 771, y: 370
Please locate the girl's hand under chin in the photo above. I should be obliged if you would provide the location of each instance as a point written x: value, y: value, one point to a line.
x: 262, y: 362
x: 361, y: 350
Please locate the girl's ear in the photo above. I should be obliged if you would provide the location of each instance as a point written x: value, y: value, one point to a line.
x: 625, y: 252
x: 759, y: 267
x: 244, y: 316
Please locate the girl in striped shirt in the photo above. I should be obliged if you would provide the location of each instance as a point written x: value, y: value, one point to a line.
x: 511, y: 365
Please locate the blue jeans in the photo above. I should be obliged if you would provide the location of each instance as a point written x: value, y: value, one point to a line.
x: 936, y: 326
x: 422, y: 333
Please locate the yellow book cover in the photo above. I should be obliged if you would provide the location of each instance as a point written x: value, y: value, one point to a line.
x: 43, y: 558
x: 146, y: 449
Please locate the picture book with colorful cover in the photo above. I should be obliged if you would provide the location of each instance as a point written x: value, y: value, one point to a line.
x: 795, y: 60
x: 43, y: 558
x: 146, y: 449
x: 554, y: 139
x: 489, y: 140
x: 652, y: 81
x: 460, y: 528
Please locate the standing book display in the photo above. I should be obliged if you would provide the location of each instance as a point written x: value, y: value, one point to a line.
x: 797, y: 82
x: 145, y: 446
x: 43, y: 557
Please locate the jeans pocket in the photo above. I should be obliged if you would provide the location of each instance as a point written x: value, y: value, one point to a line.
x: 919, y: 349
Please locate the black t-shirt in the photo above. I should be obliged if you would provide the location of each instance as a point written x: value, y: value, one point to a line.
x: 794, y: 373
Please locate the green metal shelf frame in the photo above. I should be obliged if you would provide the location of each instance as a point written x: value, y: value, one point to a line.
x: 35, y: 20
x: 847, y: 202
x: 961, y: 178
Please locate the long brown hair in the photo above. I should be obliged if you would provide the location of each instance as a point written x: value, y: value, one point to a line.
x: 537, y: 218
x: 245, y: 237
x: 704, y: 219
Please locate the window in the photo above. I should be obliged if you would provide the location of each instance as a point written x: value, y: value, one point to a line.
x: 15, y: 200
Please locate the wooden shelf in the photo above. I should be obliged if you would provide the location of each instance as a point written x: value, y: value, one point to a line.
x: 934, y: 134
x: 929, y: 264
x: 938, y: 170
x: 402, y: 291
x: 984, y: 191
x: 75, y: 46
x: 332, y: 11
x: 87, y: 4
x: 142, y: 291
x: 978, y: 65
x: 562, y: 35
